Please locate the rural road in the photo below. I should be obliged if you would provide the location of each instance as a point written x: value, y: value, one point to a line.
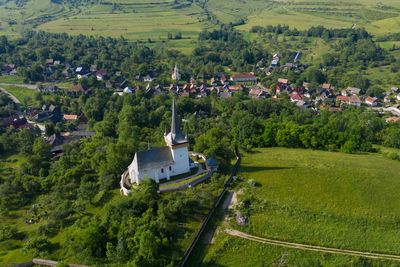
x: 13, y: 98
x: 16, y: 101
x: 313, y: 248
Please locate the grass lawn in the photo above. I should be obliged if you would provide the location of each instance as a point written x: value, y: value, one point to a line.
x: 184, y: 182
x: 235, y: 251
x: 19, y: 92
x: 311, y: 197
x: 12, y: 79
x: 323, y: 198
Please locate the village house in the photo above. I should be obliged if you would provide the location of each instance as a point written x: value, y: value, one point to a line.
x: 283, y: 81
x: 70, y: 117
x: 258, y: 93
x: 274, y: 63
x: 393, y: 119
x: 353, y: 90
x: 7, y: 69
x: 354, y: 100
x: 326, y: 86
x: 127, y: 90
x: 294, y: 97
x: 148, y: 78
x: 66, y: 73
x: 101, y: 74
x: 78, y: 89
x: 14, y: 121
x: 236, y: 88
x: 247, y: 77
x: 371, y: 101
x: 225, y: 93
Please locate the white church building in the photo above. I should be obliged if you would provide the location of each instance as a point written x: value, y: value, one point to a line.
x: 163, y: 162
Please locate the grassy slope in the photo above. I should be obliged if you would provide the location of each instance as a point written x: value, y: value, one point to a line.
x: 19, y: 92
x: 11, y: 250
x: 142, y: 19
x: 234, y: 251
x: 313, y: 197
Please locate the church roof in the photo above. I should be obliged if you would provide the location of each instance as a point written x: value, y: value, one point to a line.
x: 154, y: 158
x: 175, y: 137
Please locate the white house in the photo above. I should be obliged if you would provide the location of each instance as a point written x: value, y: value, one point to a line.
x: 163, y: 162
x: 128, y: 90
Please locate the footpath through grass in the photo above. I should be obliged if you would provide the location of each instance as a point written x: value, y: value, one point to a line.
x: 323, y: 198
x: 19, y: 92
x: 312, y: 197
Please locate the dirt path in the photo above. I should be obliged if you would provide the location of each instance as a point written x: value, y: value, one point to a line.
x: 13, y: 98
x: 313, y: 248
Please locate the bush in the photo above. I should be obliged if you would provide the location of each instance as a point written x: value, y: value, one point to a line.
x: 38, y: 245
x: 48, y: 229
x: 8, y: 232
x: 252, y: 182
x: 349, y: 147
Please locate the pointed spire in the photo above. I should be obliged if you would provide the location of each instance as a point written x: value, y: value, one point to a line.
x: 175, y: 128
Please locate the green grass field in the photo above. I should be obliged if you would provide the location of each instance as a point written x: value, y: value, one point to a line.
x: 11, y: 79
x: 144, y: 19
x: 235, y: 251
x: 312, y: 197
x: 19, y: 92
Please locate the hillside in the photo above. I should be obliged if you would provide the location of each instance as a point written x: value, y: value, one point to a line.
x: 317, y: 198
x: 154, y: 19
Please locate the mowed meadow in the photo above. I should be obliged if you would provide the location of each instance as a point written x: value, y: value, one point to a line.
x: 312, y: 197
x: 323, y: 198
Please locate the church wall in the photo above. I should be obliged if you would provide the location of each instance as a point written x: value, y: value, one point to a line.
x: 181, y: 160
x: 153, y: 174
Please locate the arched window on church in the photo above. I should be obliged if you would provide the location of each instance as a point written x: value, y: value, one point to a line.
x: 162, y: 170
x: 170, y: 168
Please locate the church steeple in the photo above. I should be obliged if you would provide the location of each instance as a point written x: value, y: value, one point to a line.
x: 175, y: 74
x: 175, y: 136
x: 175, y: 128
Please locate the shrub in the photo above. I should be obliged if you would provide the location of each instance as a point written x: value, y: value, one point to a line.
x: 38, y: 245
x: 8, y: 232
x: 252, y: 182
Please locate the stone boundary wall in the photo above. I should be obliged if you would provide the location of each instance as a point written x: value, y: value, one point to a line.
x: 185, y: 186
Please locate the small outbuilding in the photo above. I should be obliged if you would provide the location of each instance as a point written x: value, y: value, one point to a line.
x: 212, y: 164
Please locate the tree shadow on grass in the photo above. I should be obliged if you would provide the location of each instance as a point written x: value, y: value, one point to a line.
x: 262, y: 168
x: 253, y: 151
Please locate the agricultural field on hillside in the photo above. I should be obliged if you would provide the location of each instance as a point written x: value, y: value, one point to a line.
x: 312, y: 197
x: 154, y: 19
